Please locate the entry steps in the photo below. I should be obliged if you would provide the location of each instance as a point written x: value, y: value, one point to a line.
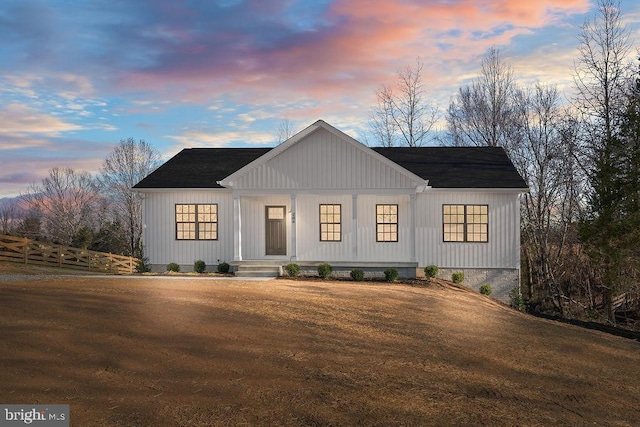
x: 246, y: 269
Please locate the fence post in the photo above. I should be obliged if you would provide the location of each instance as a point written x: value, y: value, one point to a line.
x: 26, y: 251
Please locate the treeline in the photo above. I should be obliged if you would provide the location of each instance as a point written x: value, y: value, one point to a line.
x: 579, y: 153
x: 97, y: 212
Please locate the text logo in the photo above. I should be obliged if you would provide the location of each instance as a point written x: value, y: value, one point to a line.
x: 36, y: 415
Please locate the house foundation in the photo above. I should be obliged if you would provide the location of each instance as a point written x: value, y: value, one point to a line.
x: 501, y: 280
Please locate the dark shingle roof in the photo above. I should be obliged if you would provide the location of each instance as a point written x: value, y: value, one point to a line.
x: 444, y: 167
x: 458, y: 167
x: 200, y: 167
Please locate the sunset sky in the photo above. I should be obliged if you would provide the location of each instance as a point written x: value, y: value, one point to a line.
x: 76, y: 77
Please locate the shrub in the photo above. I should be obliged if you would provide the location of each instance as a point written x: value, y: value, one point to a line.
x: 457, y: 277
x: 223, y: 267
x: 390, y: 274
x: 324, y: 270
x: 485, y: 289
x: 515, y: 299
x: 172, y: 266
x: 143, y: 265
x: 292, y: 269
x: 199, y: 266
x: 431, y: 271
x: 357, y: 275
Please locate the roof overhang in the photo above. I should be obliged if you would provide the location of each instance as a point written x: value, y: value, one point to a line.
x: 482, y: 190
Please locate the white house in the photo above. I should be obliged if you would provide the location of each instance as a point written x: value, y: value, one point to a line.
x: 322, y: 196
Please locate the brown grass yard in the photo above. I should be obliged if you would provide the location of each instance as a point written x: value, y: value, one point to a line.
x: 196, y: 352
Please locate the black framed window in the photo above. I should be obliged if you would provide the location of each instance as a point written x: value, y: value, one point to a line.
x: 465, y: 223
x: 330, y: 223
x: 386, y: 223
x: 196, y: 222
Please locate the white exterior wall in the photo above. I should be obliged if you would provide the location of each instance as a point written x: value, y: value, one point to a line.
x: 502, y: 249
x: 323, y: 161
x: 159, y: 234
x: 368, y: 248
x: 359, y: 245
x: 495, y: 262
x: 310, y: 248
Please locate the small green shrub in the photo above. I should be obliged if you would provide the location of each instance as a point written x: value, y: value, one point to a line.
x: 485, y: 289
x: 324, y: 270
x: 143, y: 265
x: 357, y: 275
x: 223, y: 267
x: 457, y: 277
x: 292, y: 269
x: 515, y: 299
x: 390, y: 274
x: 172, y: 266
x: 431, y: 271
x: 199, y: 266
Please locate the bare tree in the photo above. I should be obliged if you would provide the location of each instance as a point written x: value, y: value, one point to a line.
x: 404, y: 114
x: 124, y: 167
x: 484, y: 114
x: 601, y: 73
x: 8, y: 216
x: 382, y: 123
x: 285, y: 130
x: 544, y: 159
x: 66, y: 202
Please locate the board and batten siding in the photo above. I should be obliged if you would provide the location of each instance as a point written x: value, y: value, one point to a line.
x: 309, y: 246
x: 323, y: 161
x: 359, y: 245
x: 502, y: 249
x: 371, y: 250
x: 159, y: 234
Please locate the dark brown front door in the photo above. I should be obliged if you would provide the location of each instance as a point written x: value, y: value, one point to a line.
x: 276, y: 230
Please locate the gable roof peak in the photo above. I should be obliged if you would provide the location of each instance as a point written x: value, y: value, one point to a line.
x: 317, y: 125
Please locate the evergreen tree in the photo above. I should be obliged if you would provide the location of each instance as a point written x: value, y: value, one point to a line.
x: 611, y: 230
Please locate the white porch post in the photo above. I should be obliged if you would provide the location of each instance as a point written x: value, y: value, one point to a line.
x: 354, y: 225
x: 294, y: 227
x: 237, y: 229
x: 412, y: 237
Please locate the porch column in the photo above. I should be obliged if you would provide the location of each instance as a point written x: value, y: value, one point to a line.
x: 237, y: 229
x: 294, y: 227
x: 354, y: 226
x: 412, y: 237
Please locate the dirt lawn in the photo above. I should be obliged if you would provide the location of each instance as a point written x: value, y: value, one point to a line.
x: 199, y: 352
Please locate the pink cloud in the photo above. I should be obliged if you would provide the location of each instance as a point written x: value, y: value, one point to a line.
x: 20, y: 120
x: 361, y: 45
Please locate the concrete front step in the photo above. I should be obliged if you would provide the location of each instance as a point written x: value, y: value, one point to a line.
x: 257, y: 273
x: 256, y: 270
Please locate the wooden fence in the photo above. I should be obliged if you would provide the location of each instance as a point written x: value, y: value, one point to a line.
x: 26, y: 251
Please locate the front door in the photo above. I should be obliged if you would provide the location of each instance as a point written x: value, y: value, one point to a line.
x: 276, y: 230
